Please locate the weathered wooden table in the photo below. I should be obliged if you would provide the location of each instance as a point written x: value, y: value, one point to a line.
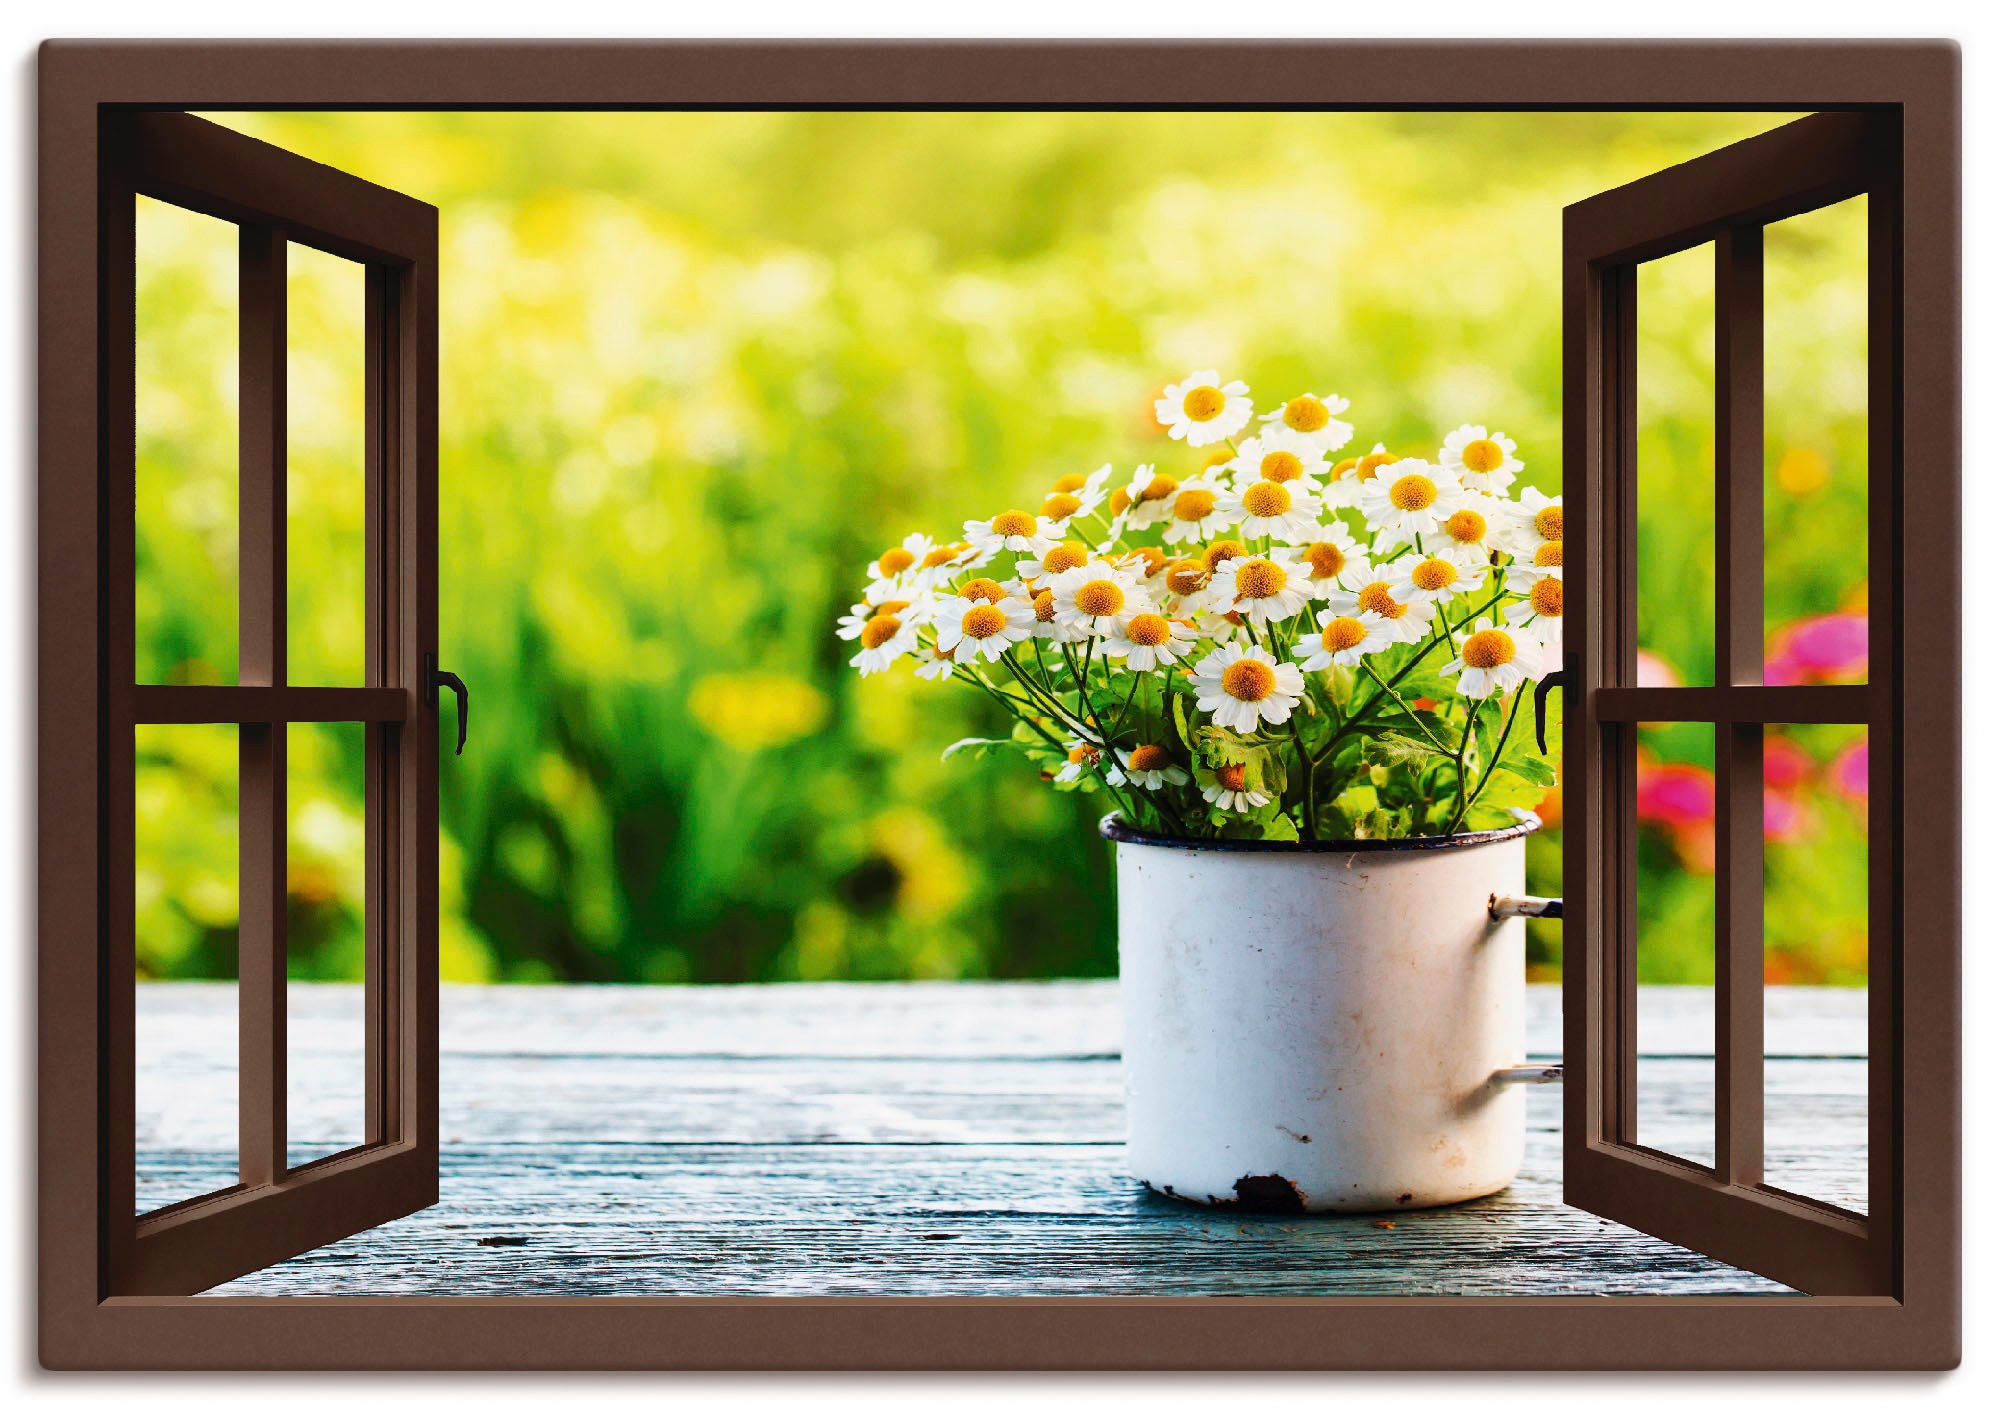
x: 933, y: 1139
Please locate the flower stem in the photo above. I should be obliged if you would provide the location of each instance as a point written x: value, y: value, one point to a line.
x: 1499, y: 748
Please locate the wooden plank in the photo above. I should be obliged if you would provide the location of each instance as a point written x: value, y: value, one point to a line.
x: 1722, y: 704
x: 268, y: 704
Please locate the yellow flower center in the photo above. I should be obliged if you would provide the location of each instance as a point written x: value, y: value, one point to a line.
x: 1099, y: 597
x: 1220, y: 552
x: 1045, y: 604
x: 1466, y: 526
x: 1185, y: 575
x: 1267, y: 499
x: 880, y: 629
x: 1549, y: 522
x: 1148, y: 758
x: 1158, y: 488
x: 943, y: 554
x: 982, y: 589
x: 983, y: 621
x: 1325, y: 559
x: 894, y: 561
x: 1306, y: 413
x: 1194, y: 505
x: 1203, y: 403
x: 1083, y: 753
x: 1549, y: 555
x: 1230, y: 775
x: 1068, y: 484
x: 1258, y: 578
x: 1146, y: 553
x: 1413, y: 492
x: 1148, y: 629
x: 1221, y: 455
x: 1282, y: 466
x: 1121, y: 499
x: 1060, y: 506
x: 1065, y: 556
x: 1434, y: 574
x: 1343, y: 632
x: 1485, y: 650
x: 1014, y: 524
x: 1482, y: 456
x: 1375, y: 598
x: 890, y: 608
x: 1374, y: 460
x: 1546, y: 597
x: 1249, y: 680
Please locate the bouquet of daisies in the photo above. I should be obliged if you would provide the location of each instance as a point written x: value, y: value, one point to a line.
x: 1271, y: 643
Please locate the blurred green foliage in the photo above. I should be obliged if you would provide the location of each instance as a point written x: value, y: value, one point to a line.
x: 699, y: 368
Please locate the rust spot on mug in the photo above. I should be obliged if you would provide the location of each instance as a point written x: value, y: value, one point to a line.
x: 1269, y: 1193
x: 1404, y: 1198
x: 1302, y: 1139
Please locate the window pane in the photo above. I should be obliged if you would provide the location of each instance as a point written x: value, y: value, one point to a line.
x: 185, y: 914
x: 1676, y: 468
x: 184, y: 419
x: 1816, y: 446
x: 326, y: 862
x: 1816, y: 961
x: 326, y: 483
x: 1676, y: 939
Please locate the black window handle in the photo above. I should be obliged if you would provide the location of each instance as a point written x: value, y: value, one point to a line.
x: 433, y: 677
x: 1549, y: 682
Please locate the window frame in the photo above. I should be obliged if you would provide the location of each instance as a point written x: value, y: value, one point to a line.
x: 79, y: 1326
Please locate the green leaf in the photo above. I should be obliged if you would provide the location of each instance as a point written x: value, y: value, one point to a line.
x: 980, y: 746
x: 1528, y: 766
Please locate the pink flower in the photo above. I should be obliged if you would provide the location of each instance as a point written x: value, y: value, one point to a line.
x: 1655, y: 672
x: 1676, y: 794
x: 1830, y: 647
x: 1850, y: 771
x: 1787, y: 765
x: 1784, y: 817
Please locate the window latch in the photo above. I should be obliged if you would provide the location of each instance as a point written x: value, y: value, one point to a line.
x: 1548, y: 682
x: 433, y: 678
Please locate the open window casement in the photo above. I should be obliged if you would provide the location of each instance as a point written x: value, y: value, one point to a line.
x: 1727, y: 1209
x: 275, y: 200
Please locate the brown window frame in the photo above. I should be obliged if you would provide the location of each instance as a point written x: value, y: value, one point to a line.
x: 1724, y: 199
x: 82, y: 1324
x: 276, y: 199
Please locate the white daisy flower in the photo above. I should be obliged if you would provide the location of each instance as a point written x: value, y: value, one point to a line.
x: 1262, y: 590
x: 1344, y: 640
x: 1406, y: 621
x: 1545, y: 561
x: 1012, y: 531
x: 1075, y: 496
x: 1343, y: 489
x: 1151, y: 766
x: 883, y: 638
x: 1475, y: 529
x: 1312, y: 420
x: 1195, y: 510
x: 1203, y: 409
x: 1142, y: 502
x: 1185, y: 581
x: 1408, y: 498
x: 1148, y: 639
x: 942, y: 563
x: 1537, y: 519
x: 1416, y: 578
x: 1046, y: 627
x: 1267, y: 508
x: 1540, y: 614
x: 1097, y: 598
x: 1083, y: 760
x: 918, y: 608
x: 938, y: 667
x: 1059, y: 559
x: 1334, y: 559
x: 1228, y: 793
x: 1263, y: 458
x: 1483, y: 461
x: 1493, y: 658
x: 1244, y: 687
x: 900, y: 559
x: 984, y: 629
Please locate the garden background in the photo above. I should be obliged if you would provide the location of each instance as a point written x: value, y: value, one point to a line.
x: 698, y: 369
